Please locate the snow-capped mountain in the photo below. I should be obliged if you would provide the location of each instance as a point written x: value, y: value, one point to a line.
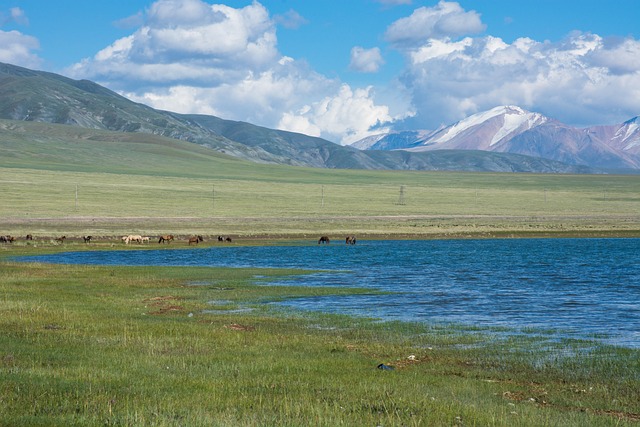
x: 511, y: 129
x: 625, y: 137
x: 486, y: 130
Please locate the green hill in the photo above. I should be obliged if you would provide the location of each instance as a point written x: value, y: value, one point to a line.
x: 36, y: 96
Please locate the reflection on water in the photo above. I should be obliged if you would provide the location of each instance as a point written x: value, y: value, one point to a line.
x: 579, y: 287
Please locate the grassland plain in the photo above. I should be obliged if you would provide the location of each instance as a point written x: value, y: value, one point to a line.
x: 64, y: 180
x: 83, y: 345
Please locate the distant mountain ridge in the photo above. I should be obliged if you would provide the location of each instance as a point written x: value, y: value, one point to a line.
x: 37, y: 96
x: 511, y: 129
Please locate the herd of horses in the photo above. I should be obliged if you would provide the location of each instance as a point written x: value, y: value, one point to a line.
x: 166, y: 238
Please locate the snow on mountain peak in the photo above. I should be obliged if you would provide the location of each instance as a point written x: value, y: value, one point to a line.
x: 510, y: 118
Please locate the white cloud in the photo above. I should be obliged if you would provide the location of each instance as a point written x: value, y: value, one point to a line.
x: 347, y: 116
x: 17, y: 48
x: 187, y: 42
x: 365, y: 60
x: 193, y: 57
x: 580, y: 80
x: 15, y: 15
x: 443, y: 21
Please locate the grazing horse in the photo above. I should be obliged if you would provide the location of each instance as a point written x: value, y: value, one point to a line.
x: 324, y: 239
x: 60, y: 239
x: 195, y: 239
x: 7, y: 239
x: 224, y: 239
x: 145, y: 239
x: 29, y: 237
x: 350, y: 240
x: 87, y: 239
x: 132, y: 238
x: 166, y: 238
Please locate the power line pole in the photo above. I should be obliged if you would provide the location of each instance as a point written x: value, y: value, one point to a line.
x: 401, y: 197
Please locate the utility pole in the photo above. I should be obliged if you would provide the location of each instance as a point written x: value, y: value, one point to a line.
x: 401, y: 198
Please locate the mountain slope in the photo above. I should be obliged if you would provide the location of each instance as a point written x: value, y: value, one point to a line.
x: 37, y: 96
x: 510, y: 129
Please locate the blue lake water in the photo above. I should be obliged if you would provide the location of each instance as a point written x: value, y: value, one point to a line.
x: 581, y: 288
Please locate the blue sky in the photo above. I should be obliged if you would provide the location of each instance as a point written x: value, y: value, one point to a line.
x: 340, y: 69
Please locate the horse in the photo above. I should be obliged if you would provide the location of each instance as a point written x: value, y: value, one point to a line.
x: 87, y: 239
x: 224, y: 239
x: 350, y: 240
x: 166, y: 238
x: 323, y: 240
x: 29, y: 237
x: 132, y: 238
x: 195, y: 239
x: 60, y: 239
x: 145, y: 239
x: 7, y: 239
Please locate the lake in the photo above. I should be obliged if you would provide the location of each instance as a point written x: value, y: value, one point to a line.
x: 578, y: 288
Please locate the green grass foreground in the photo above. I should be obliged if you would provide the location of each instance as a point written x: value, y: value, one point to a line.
x: 87, y: 345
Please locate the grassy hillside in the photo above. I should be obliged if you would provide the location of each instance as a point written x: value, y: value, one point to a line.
x: 61, y: 179
x: 36, y: 96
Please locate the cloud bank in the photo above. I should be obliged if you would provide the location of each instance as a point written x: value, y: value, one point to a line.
x: 191, y: 56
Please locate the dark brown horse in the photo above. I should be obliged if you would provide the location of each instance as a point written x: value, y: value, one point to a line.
x: 60, y: 239
x: 166, y: 238
x: 87, y: 239
x: 224, y: 239
x: 7, y: 239
x: 323, y: 240
x: 29, y: 237
x: 350, y: 240
x: 195, y: 240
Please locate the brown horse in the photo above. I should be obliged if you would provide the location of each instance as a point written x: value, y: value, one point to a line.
x: 7, y: 239
x: 166, y: 238
x: 224, y: 239
x: 195, y: 240
x: 60, y: 239
x: 350, y: 240
x: 323, y: 240
x: 29, y: 237
x: 87, y: 239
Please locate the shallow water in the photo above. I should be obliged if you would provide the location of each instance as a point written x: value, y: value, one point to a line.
x: 580, y: 288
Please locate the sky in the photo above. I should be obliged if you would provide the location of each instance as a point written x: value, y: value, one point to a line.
x: 342, y: 69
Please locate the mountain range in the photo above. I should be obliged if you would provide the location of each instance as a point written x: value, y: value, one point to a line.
x: 506, y: 139
x: 511, y: 129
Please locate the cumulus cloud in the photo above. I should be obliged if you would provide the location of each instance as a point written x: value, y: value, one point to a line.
x: 16, y: 15
x: 348, y: 115
x: 451, y: 73
x: 582, y: 79
x: 17, y: 48
x: 193, y: 57
x: 445, y: 20
x: 187, y: 42
x: 365, y: 60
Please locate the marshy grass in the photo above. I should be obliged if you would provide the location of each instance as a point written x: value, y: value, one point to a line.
x: 90, y: 345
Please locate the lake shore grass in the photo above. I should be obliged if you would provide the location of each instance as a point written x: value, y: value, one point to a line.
x: 165, y: 346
